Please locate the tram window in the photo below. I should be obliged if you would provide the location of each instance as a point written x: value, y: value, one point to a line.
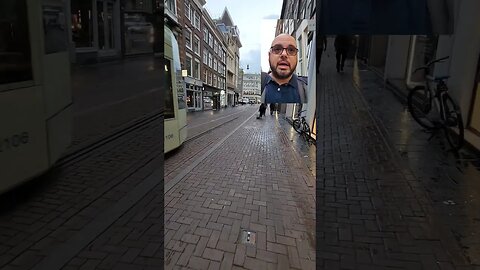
x: 15, y: 56
x: 169, y: 109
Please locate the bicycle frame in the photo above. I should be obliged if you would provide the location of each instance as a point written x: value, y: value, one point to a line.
x: 438, y: 96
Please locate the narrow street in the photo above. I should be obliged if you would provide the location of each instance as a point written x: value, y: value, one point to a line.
x: 246, y: 176
x: 105, y: 209
x: 387, y: 198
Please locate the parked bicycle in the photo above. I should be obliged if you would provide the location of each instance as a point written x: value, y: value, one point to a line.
x: 301, y: 126
x: 434, y: 109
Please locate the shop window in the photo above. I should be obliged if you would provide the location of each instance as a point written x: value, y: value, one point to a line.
x: 15, y: 57
x: 82, y: 23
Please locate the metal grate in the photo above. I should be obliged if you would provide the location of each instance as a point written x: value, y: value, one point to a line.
x: 248, y: 237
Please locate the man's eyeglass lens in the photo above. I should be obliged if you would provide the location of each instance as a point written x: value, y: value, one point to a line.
x: 292, y: 51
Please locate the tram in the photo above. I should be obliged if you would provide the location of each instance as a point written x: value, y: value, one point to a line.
x: 35, y: 91
x: 175, y: 114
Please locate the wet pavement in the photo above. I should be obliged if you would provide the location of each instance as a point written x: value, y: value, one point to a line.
x: 251, y: 178
x: 105, y: 210
x: 386, y: 197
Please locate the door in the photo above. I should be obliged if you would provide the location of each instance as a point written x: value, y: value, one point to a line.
x: 108, y: 28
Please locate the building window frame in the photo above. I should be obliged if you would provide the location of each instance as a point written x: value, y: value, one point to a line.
x: 196, y: 69
x: 188, y: 33
x: 188, y: 11
x: 187, y: 66
x: 196, y: 20
x: 196, y: 44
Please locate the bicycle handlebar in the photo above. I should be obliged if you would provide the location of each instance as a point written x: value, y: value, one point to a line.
x: 427, y: 66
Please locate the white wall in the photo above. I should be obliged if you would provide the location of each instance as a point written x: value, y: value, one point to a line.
x: 465, y: 52
x: 397, y: 57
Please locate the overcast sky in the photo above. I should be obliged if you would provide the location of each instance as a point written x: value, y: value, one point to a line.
x: 256, y: 21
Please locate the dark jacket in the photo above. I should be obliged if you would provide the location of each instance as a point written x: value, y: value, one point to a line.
x: 343, y: 42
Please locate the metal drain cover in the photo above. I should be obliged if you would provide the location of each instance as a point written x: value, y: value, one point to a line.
x: 248, y: 237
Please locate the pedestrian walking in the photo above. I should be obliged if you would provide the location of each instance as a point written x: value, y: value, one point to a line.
x: 262, y: 110
x: 342, y: 46
x: 272, y: 108
x: 321, y: 49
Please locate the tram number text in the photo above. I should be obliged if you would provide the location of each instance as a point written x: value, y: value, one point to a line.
x: 14, y: 141
x: 169, y: 137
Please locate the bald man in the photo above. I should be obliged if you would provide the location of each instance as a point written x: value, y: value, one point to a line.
x: 281, y: 84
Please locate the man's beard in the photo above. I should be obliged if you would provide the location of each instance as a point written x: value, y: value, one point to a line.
x: 279, y: 76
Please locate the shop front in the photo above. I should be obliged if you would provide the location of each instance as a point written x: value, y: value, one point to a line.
x: 96, y: 30
x: 194, y: 94
x: 208, y: 97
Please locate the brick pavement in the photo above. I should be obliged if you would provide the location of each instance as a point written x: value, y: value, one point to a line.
x: 195, y: 148
x: 372, y: 210
x: 52, y: 210
x: 451, y: 181
x: 250, y: 182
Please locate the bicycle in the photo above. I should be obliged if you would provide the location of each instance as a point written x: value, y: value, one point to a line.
x: 434, y: 109
x: 301, y: 126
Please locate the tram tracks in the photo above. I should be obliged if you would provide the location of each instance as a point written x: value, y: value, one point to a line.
x: 79, y: 153
x: 198, y: 144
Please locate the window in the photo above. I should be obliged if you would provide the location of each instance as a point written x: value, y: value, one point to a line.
x: 206, y: 76
x: 196, y: 20
x: 16, y: 62
x: 82, y: 23
x: 210, y: 58
x: 188, y: 64
x: 215, y: 46
x: 210, y: 39
x: 205, y: 56
x: 205, y: 34
x: 210, y: 78
x: 215, y: 64
x: 169, y: 110
x: 188, y: 38
x: 214, y: 80
x: 187, y: 10
x: 196, y: 69
x: 170, y: 4
x: 196, y: 45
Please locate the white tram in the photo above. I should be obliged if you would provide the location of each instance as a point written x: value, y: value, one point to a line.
x: 35, y: 91
x: 175, y: 123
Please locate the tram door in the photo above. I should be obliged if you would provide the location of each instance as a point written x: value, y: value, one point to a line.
x: 35, y: 92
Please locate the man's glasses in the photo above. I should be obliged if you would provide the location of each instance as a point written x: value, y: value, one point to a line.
x: 278, y: 49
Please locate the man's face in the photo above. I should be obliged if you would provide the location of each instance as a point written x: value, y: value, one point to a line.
x: 283, y: 65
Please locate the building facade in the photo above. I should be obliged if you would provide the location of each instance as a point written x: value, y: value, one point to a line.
x: 103, y: 30
x: 251, y: 87
x: 231, y: 34
x: 214, y: 60
x: 190, y: 52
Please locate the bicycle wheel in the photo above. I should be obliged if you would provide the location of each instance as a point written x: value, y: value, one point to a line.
x: 296, y: 125
x: 454, y: 121
x: 420, y: 106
